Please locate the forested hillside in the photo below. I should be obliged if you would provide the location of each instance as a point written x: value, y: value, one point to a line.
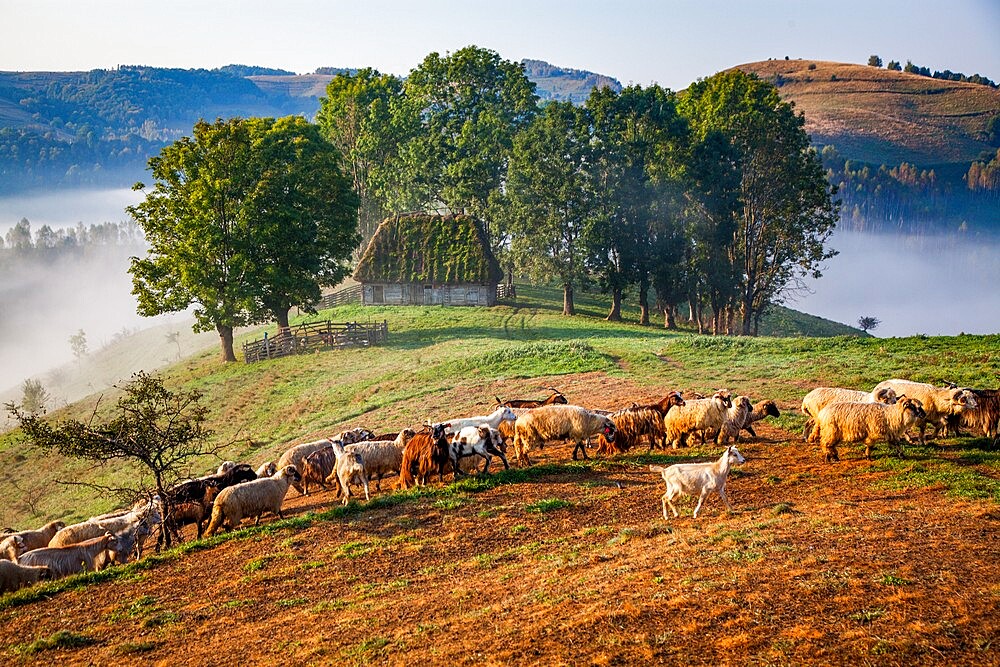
x: 100, y: 127
x: 908, y: 151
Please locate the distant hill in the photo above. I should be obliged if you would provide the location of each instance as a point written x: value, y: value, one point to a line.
x: 882, y: 116
x: 100, y: 127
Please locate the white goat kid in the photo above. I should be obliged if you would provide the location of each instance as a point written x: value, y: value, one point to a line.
x: 701, y: 479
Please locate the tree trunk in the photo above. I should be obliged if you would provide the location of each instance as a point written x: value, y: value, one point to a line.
x: 616, y: 305
x: 281, y: 317
x: 747, y: 313
x: 670, y: 316
x: 568, y: 300
x: 644, y: 303
x: 226, y: 338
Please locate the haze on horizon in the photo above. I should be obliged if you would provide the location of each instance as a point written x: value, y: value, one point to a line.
x: 669, y: 42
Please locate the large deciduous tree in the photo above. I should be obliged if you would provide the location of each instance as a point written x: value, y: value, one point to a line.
x: 550, y: 196
x: 246, y: 218
x: 364, y: 115
x: 470, y: 105
x: 787, y: 210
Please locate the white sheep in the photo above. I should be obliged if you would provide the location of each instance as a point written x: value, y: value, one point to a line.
x: 736, y: 417
x: 294, y: 455
x: 559, y: 422
x: 36, y: 539
x: 252, y: 498
x: 11, y: 547
x: 149, y: 513
x: 820, y: 397
x: 865, y: 422
x: 380, y: 457
x: 477, y: 441
x: 938, y: 403
x: 700, y: 414
x: 14, y: 575
x: 501, y: 414
x: 267, y: 469
x: 699, y: 479
x: 350, y: 468
x: 86, y: 556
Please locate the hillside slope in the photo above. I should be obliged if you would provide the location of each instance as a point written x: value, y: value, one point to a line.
x: 886, y: 117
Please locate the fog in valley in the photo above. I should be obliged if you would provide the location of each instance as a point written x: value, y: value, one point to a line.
x: 933, y: 285
x: 43, y: 304
x: 915, y: 285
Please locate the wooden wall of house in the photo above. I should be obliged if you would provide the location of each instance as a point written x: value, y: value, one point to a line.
x: 416, y: 294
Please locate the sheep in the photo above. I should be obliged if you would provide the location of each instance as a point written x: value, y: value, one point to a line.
x: 86, y: 556
x: 267, y: 469
x: 631, y: 426
x: 145, y: 512
x: 482, y: 440
x: 295, y: 455
x: 983, y: 419
x: 317, y: 466
x: 557, y: 398
x: 697, y: 478
x: 14, y: 575
x: 736, y: 417
x: 11, y: 547
x: 762, y: 410
x: 820, y: 397
x: 128, y: 542
x: 252, y: 498
x: 349, y: 468
x: 225, y: 467
x: 555, y: 422
x: 700, y: 414
x: 183, y: 514
x: 865, y: 422
x: 425, y: 452
x: 503, y: 413
x: 36, y: 539
x: 195, y: 489
x: 382, y: 457
x: 506, y: 427
x: 938, y: 403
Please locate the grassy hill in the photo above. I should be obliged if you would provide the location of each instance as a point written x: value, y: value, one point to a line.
x: 881, y: 116
x: 889, y: 560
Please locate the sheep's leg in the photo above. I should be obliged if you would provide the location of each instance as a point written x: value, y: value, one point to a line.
x: 669, y: 499
x: 663, y: 502
x: 365, y: 482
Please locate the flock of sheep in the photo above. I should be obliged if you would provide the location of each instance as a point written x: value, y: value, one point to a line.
x: 464, y: 445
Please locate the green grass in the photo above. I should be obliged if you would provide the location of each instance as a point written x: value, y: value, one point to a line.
x: 547, y: 505
x: 443, y: 361
x: 64, y: 639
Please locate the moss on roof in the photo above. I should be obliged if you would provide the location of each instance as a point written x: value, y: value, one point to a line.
x: 425, y: 248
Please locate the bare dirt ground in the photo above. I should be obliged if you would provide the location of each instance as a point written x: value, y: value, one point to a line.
x: 817, y: 565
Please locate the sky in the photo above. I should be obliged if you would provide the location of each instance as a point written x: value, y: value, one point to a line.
x: 668, y: 42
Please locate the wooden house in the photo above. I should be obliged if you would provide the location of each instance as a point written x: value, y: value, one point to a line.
x: 427, y: 259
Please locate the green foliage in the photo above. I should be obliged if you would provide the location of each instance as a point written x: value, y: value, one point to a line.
x: 247, y: 218
x: 874, y: 61
x: 547, y: 505
x: 34, y: 396
x: 78, y: 343
x: 63, y: 639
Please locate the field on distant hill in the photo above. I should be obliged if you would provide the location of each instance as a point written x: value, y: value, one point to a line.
x: 889, y: 561
x: 886, y: 117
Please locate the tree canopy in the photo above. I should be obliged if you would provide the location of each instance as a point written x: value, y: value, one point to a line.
x: 247, y: 217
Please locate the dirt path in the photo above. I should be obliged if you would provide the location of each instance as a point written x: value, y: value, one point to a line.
x: 817, y: 565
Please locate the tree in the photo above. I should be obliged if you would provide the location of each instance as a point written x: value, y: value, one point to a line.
x: 363, y: 116
x: 246, y: 218
x: 78, y: 343
x: 34, y: 397
x: 868, y: 322
x: 894, y: 66
x: 550, y: 196
x: 470, y: 104
x: 153, y: 427
x: 787, y: 208
x: 874, y: 61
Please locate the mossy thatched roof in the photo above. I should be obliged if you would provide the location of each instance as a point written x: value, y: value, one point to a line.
x: 424, y: 248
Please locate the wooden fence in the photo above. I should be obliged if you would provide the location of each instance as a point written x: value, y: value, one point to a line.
x: 347, y: 295
x: 312, y: 336
x: 506, y: 292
